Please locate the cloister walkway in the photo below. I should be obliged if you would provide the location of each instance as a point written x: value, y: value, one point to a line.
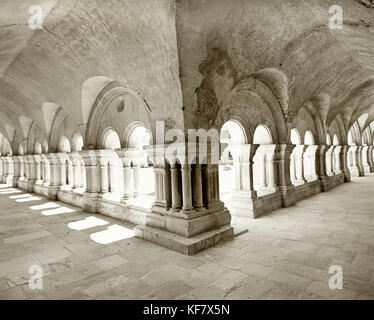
x: 285, y: 255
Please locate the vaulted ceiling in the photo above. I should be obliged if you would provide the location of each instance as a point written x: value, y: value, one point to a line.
x: 158, y: 48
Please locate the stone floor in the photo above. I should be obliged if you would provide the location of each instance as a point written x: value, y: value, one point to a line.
x: 285, y: 255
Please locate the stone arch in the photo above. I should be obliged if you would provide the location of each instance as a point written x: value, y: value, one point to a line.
x: 54, y: 135
x: 257, y: 101
x: 38, y: 148
x: 21, y: 151
x: 118, y: 106
x: 295, y: 136
x: 309, y: 138
x: 77, y: 142
x: 136, y: 134
x: 64, y: 145
x: 110, y: 140
x: 91, y: 88
x: 262, y: 135
x: 354, y: 134
x: 328, y: 139
x: 335, y: 140
x: 45, y: 146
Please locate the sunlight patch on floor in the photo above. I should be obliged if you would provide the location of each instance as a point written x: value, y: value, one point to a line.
x: 56, y: 211
x: 21, y: 196
x: 48, y: 205
x: 28, y: 199
x: 114, y: 233
x: 89, y: 222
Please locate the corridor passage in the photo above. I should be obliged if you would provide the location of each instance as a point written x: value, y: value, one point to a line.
x: 285, y: 255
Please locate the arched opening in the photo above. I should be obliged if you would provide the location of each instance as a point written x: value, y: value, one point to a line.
x: 110, y: 140
x: 309, y: 157
x: 38, y: 148
x: 295, y: 137
x: 78, y: 143
x: 335, y: 140
x: 263, y: 171
x: 141, y: 174
x: 139, y: 137
x: 350, y: 138
x: 21, y: 151
x: 232, y: 133
x: 296, y: 163
x: 45, y: 147
x: 308, y: 138
x: 328, y: 140
x: 64, y: 145
x: 262, y: 135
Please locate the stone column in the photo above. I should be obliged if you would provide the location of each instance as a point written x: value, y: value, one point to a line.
x: 90, y: 158
x: 21, y: 160
x: 128, y: 157
x: 344, y: 163
x: 299, y: 163
x: 187, y: 187
x: 271, y: 168
x: 82, y: 173
x: 1, y: 169
x: 328, y: 157
x: 354, y: 170
x: 77, y: 176
x: 176, y: 186
x: 104, y: 183
x: 47, y: 170
x: 359, y: 161
x: 365, y: 159
x: 137, y: 182
x: 336, y: 155
x: 197, y: 186
x: 286, y: 188
x: 310, y: 163
x: 38, y: 175
x: 115, y: 176
x: 259, y: 168
x: 243, y: 200
x: 16, y: 169
x: 370, y: 158
x: 32, y: 173
x: 54, y: 167
x: 10, y: 170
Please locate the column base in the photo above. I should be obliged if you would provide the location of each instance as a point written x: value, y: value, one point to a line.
x: 355, y: 172
x: 9, y: 179
x: 347, y: 175
x: 288, y: 196
x: 187, y: 246
x: 328, y: 183
x: 188, y: 224
x: 90, y: 201
x: 30, y: 186
x: 15, y: 181
x: 243, y: 206
x: 52, y: 192
x: 366, y: 169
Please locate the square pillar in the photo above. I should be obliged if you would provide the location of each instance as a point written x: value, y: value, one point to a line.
x: 365, y: 160
x: 344, y: 163
x: 55, y: 179
x: 92, y: 168
x: 243, y: 202
x: 186, y: 229
x: 370, y: 158
x: 287, y: 189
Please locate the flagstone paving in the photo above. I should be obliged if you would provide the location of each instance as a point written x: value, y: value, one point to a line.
x: 285, y: 255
